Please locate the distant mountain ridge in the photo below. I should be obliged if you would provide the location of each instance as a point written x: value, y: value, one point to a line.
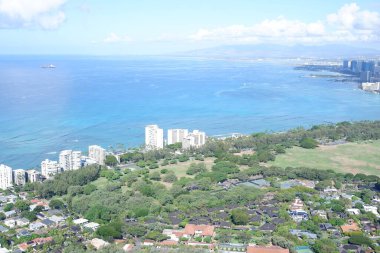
x: 279, y: 51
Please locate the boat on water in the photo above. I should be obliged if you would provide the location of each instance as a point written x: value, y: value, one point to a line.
x: 50, y: 66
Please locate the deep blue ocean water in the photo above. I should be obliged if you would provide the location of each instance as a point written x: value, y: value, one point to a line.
x: 106, y: 101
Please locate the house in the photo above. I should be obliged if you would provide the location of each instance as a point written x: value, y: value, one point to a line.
x: 371, y: 209
x: 299, y: 215
x: 297, y: 205
x: 330, y: 190
x: 353, y: 211
x: 57, y: 219
x: 80, y: 221
x: 3, y: 229
x: 351, y: 226
x: 23, y: 233
x: 173, y: 235
x: 92, y: 226
x: 168, y: 243
x: 4, y: 250
x: 192, y: 230
x: 48, y: 223
x: 321, y: 213
x: 268, y: 227
x: 33, y: 243
x: 128, y: 247
x: 260, y: 183
x: 11, y: 223
x: 266, y: 249
x: 98, y: 243
x: 301, y: 233
x: 36, y: 226
x: 10, y: 213
x: 20, y: 222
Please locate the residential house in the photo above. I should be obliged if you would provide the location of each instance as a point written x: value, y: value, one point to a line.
x: 299, y: 215
x: 3, y: 229
x: 36, y: 226
x: 301, y: 233
x: 192, y: 230
x: 371, y: 209
x: 92, y: 226
x: 353, y: 211
x: 98, y: 243
x: 297, y: 205
x: 351, y: 226
x: 321, y: 213
x: 80, y: 221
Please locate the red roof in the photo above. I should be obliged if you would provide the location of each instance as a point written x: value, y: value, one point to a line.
x: 266, y: 249
x: 206, y: 230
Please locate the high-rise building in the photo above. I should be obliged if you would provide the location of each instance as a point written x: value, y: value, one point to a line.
x: 97, y: 153
x: 354, y: 65
x: 50, y: 168
x: 176, y: 135
x: 154, y: 137
x: 6, y: 179
x: 194, y: 139
x: 365, y: 76
x: 70, y: 160
x: 19, y: 177
x: 345, y: 64
x: 33, y: 176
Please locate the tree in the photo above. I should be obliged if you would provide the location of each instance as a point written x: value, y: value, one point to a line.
x: 239, y: 217
x: 111, y: 160
x: 170, y: 178
x: 22, y: 205
x: 109, y: 232
x: 8, y: 207
x: 89, y: 188
x: 155, y: 176
x: 2, y: 216
x: 156, y: 236
x: 56, y: 204
x: 308, y: 143
x: 196, y: 168
x: 325, y: 245
x: 360, y: 239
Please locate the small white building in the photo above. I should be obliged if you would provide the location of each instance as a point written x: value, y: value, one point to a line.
x: 92, y: 226
x: 80, y: 221
x: 98, y: 243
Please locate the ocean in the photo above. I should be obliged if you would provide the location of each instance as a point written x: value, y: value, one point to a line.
x: 108, y: 101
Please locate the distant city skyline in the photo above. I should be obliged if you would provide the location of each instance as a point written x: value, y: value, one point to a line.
x: 159, y: 27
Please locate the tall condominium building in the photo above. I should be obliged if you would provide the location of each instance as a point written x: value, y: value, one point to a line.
x: 194, y: 139
x: 70, y: 160
x: 5, y: 177
x: 50, y: 168
x: 33, y: 176
x: 97, y: 153
x: 176, y: 135
x: 19, y: 177
x: 154, y: 137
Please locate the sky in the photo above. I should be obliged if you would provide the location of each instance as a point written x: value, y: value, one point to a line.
x: 130, y: 27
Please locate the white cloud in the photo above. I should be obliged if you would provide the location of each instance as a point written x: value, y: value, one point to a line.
x: 350, y: 17
x: 114, y: 38
x: 349, y: 23
x: 46, y: 14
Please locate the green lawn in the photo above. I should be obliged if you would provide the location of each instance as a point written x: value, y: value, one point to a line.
x: 363, y: 157
x: 181, y: 168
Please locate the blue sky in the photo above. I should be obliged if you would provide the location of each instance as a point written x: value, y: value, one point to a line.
x: 165, y: 26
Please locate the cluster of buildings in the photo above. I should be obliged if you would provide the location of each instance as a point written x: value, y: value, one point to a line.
x: 368, y: 71
x: 68, y: 160
x: 154, y: 137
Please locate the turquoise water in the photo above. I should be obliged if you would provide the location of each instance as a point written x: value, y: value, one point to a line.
x: 106, y: 101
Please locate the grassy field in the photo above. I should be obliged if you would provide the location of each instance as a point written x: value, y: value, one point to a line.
x: 363, y: 157
x: 181, y: 168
